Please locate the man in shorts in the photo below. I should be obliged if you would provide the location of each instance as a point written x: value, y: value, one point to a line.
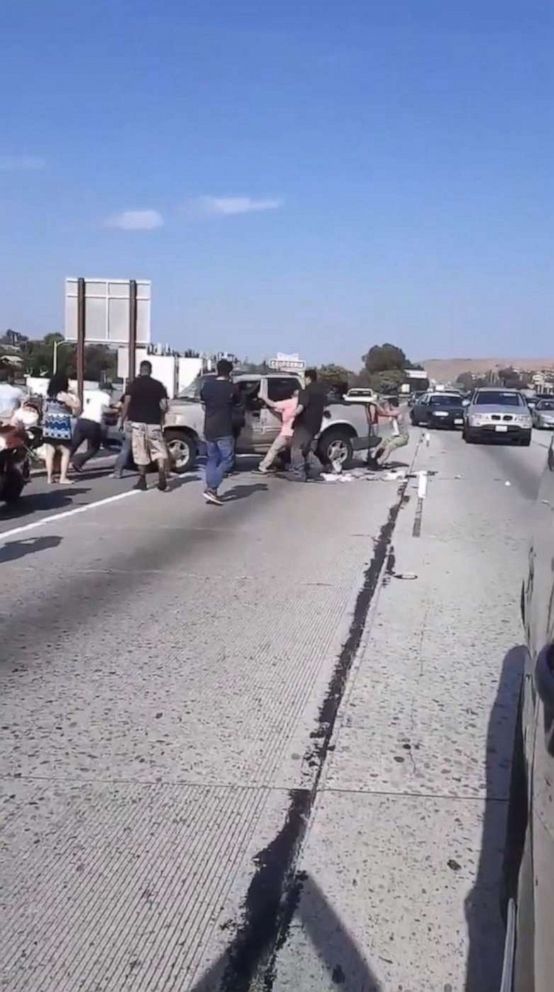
x: 399, y: 437
x: 144, y: 407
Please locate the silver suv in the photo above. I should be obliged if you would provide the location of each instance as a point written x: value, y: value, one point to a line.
x: 497, y: 414
x: 344, y: 429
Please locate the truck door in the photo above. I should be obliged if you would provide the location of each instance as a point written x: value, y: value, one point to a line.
x: 276, y: 388
x: 249, y: 390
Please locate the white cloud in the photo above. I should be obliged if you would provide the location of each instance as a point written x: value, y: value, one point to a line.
x: 136, y: 220
x: 229, y: 206
x: 21, y: 163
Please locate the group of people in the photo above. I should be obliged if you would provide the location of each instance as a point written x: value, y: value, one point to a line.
x: 66, y: 427
x: 141, y: 411
x: 301, y: 416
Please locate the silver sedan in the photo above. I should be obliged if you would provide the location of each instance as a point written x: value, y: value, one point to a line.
x: 543, y: 414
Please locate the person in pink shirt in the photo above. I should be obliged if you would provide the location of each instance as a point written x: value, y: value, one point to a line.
x: 286, y: 410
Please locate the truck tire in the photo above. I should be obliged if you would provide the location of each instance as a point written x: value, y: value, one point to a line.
x: 336, y: 445
x: 183, y: 448
x: 525, y: 441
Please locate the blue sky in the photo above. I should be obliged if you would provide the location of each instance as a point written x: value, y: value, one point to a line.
x: 303, y: 175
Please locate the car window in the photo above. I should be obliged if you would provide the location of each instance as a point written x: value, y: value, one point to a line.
x: 192, y: 391
x: 445, y: 400
x: 281, y: 388
x: 498, y: 398
x: 545, y: 405
x: 248, y: 390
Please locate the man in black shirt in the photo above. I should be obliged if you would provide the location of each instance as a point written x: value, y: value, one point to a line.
x: 307, y: 425
x: 220, y: 398
x: 144, y: 407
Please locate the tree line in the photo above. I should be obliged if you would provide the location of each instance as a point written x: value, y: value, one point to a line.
x: 384, y: 366
x: 384, y: 369
x: 36, y: 357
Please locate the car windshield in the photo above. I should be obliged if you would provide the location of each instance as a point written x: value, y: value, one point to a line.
x: 445, y: 401
x: 545, y: 405
x: 498, y: 398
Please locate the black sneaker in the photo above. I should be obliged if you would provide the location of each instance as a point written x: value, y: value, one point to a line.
x: 212, y: 497
x: 140, y: 484
x: 162, y: 481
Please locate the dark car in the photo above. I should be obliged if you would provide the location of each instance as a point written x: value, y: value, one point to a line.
x: 529, y: 860
x: 439, y: 410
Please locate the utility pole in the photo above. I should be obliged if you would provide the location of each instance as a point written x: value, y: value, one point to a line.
x: 81, y: 331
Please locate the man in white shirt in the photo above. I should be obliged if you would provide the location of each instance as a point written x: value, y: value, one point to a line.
x: 89, y: 426
x: 11, y: 397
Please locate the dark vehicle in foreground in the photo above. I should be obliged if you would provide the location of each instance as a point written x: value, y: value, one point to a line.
x: 529, y: 860
x: 543, y: 414
x: 497, y: 415
x: 438, y: 410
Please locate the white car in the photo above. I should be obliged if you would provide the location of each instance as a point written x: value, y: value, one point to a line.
x: 497, y: 415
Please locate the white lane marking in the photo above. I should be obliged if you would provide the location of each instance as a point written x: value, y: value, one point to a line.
x: 66, y: 513
x: 422, y: 485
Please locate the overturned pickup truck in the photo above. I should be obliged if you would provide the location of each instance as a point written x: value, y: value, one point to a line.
x: 344, y: 429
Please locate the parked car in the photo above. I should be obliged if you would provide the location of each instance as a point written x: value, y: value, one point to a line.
x: 497, y: 414
x: 543, y: 414
x: 438, y: 410
x: 344, y: 429
x: 528, y: 875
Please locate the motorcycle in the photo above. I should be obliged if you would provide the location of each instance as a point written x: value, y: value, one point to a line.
x: 15, y: 462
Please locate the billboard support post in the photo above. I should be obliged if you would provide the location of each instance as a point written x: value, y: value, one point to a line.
x: 132, y: 328
x: 81, y: 331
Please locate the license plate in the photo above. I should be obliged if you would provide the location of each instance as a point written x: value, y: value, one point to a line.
x: 501, y: 428
x: 458, y: 420
x: 440, y: 414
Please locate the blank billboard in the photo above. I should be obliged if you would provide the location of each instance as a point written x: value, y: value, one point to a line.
x: 107, y: 310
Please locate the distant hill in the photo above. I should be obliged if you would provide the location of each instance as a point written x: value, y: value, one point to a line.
x: 448, y: 369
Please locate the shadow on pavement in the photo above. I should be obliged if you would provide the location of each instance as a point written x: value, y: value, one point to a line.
x: 243, y: 492
x: 99, y: 473
x: 482, y: 905
x: 54, y: 499
x: 13, y: 550
x: 345, y: 964
x: 336, y: 949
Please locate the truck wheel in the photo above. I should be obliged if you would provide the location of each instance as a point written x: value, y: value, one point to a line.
x: 336, y: 446
x: 468, y: 437
x: 526, y: 440
x: 182, y: 448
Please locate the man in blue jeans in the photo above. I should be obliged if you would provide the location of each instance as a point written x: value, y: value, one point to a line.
x: 219, y: 397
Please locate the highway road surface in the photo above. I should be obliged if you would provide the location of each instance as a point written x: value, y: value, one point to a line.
x: 264, y: 746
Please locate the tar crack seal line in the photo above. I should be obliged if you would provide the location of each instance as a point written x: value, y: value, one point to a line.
x: 274, y: 892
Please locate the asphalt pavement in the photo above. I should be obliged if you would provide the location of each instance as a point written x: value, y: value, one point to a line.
x: 267, y: 745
